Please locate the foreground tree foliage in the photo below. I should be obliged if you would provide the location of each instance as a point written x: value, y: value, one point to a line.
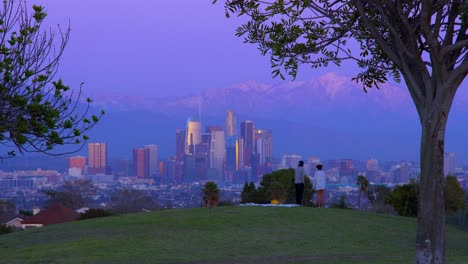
x: 454, y: 195
x: 423, y: 42
x: 37, y: 113
x: 404, y: 198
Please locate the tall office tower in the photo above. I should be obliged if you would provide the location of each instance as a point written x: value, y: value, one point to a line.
x: 372, y: 165
x: 189, y: 168
x: 449, y: 163
x: 264, y: 145
x: 230, y: 124
x: 231, y: 158
x: 248, y: 134
x: 193, y: 136
x: 217, y: 155
x: 141, y: 163
x: 180, y: 145
x: 153, y: 160
x: 240, y: 154
x: 97, y: 158
x: 210, y: 129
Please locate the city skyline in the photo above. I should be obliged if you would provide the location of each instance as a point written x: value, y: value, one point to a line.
x: 148, y: 72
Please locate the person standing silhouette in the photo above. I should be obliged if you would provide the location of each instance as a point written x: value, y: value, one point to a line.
x: 319, y: 184
x: 299, y: 182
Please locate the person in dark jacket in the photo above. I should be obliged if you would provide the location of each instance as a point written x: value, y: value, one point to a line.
x: 299, y: 176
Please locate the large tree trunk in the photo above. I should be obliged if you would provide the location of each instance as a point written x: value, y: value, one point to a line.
x: 430, y: 238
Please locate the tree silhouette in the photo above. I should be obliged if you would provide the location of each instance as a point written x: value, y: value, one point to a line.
x: 211, y: 194
x: 363, y: 184
x: 423, y: 42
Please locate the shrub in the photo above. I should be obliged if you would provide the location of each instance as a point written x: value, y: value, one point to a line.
x: 4, y: 229
x: 95, y: 213
x: 341, y: 204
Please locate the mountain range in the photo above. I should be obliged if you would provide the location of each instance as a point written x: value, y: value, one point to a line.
x: 330, y: 116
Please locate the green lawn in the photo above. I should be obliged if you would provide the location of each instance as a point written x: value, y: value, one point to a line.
x: 228, y: 235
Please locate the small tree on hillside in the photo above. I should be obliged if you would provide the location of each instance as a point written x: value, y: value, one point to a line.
x: 404, y: 199
x: 73, y: 194
x: 423, y: 42
x: 454, y: 195
x: 363, y: 184
x: 37, y: 113
x: 211, y: 194
x: 132, y: 201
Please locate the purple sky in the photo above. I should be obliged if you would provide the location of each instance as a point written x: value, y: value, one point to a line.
x: 153, y: 48
x: 156, y: 48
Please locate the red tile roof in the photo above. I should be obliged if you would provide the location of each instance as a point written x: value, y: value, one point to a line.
x: 55, y: 214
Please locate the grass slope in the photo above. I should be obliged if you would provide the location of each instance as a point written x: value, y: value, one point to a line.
x: 228, y: 235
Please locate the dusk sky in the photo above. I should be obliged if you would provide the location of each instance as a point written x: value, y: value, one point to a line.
x: 177, y: 48
x: 156, y: 48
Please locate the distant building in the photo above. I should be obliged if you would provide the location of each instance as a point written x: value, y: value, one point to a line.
x: 290, y: 161
x: 450, y: 165
x: 231, y: 158
x: 193, y: 136
x: 180, y: 144
x: 230, y: 124
x: 97, y: 158
x: 217, y: 154
x: 372, y: 165
x: 77, y: 162
x: 55, y: 214
x: 141, y: 163
x: 248, y: 135
x: 153, y: 160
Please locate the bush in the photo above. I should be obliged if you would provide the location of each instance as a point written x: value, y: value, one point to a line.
x: 4, y: 229
x: 341, y: 204
x: 277, y: 185
x: 226, y: 203
x: 95, y: 213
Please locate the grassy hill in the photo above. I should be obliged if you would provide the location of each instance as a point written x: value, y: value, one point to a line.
x: 228, y: 235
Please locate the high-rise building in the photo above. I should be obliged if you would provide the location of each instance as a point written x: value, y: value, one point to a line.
x: 153, y: 160
x: 290, y: 161
x: 97, y: 158
x: 124, y: 168
x: 264, y: 145
x: 141, y: 163
x: 449, y: 163
x: 230, y: 124
x: 77, y: 162
x: 231, y: 158
x: 217, y: 154
x: 248, y: 134
x: 180, y: 145
x: 193, y: 136
x: 76, y: 166
x: 372, y: 165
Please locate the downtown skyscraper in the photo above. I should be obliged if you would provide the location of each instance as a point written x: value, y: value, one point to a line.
x: 230, y: 124
x: 97, y: 158
x: 153, y: 160
x: 248, y: 136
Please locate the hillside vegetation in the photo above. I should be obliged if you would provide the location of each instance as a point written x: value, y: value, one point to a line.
x: 228, y: 235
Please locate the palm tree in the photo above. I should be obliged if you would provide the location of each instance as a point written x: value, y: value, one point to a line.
x: 211, y: 194
x: 363, y: 185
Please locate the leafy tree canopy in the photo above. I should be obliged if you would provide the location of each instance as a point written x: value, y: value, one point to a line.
x: 37, y: 111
